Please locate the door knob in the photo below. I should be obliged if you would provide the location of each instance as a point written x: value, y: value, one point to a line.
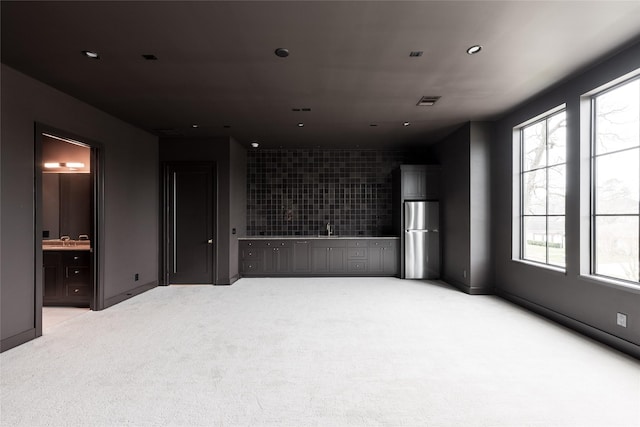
x: 210, y: 241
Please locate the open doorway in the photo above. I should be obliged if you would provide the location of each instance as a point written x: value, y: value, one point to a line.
x: 67, y: 225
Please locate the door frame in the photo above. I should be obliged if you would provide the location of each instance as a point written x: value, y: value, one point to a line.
x: 165, y: 220
x: 97, y: 221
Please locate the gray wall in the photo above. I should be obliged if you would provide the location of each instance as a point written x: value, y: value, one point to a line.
x: 584, y: 303
x: 465, y: 207
x: 237, y: 203
x: 220, y: 152
x: 130, y: 242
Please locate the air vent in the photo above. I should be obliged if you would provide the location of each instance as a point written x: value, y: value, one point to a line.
x: 416, y: 53
x: 428, y: 101
x: 150, y: 57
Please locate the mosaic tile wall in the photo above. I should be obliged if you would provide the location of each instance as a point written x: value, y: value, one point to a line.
x: 297, y: 192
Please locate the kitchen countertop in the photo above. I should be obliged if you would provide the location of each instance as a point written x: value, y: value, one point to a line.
x: 65, y: 248
x: 318, y: 237
x: 69, y: 245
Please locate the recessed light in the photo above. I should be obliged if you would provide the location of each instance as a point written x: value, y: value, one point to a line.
x: 300, y: 125
x: 282, y: 52
x: 255, y: 144
x: 52, y: 165
x: 474, y: 49
x: 405, y: 124
x: 91, y: 54
x: 194, y: 125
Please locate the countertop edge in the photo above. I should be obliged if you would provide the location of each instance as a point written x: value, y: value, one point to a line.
x: 318, y: 238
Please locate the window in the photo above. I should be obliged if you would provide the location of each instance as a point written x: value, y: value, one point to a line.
x: 615, y: 181
x: 542, y: 188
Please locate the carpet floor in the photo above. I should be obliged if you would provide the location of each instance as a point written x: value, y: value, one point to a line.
x: 316, y: 352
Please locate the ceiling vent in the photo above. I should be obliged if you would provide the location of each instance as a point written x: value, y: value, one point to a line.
x: 428, y: 101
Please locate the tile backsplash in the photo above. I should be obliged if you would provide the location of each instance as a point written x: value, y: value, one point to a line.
x: 298, y: 191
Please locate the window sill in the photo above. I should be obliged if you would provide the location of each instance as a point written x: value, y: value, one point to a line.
x: 548, y: 267
x: 611, y: 283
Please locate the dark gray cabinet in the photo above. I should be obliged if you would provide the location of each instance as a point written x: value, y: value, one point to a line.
x: 301, y: 257
x: 383, y: 257
x: 419, y: 182
x: 66, y: 278
x: 276, y: 256
x: 319, y: 257
x: 328, y: 256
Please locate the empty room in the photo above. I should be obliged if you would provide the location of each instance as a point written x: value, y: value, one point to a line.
x: 320, y: 213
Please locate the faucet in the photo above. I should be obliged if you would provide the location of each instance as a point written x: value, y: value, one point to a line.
x: 329, y: 229
x: 65, y: 240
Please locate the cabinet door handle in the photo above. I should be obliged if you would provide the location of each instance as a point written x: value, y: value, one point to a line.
x: 76, y: 272
x: 76, y: 290
x: 76, y: 257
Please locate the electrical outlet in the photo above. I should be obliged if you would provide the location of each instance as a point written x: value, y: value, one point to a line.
x: 621, y: 320
x: 136, y: 277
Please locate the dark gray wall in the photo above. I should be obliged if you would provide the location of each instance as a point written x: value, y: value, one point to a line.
x: 130, y: 242
x: 453, y: 156
x: 580, y: 301
x: 465, y: 205
x: 218, y: 151
x: 237, y: 203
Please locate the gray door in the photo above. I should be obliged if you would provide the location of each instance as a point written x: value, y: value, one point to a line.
x: 190, y: 229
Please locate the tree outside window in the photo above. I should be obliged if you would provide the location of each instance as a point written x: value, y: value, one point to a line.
x: 543, y: 189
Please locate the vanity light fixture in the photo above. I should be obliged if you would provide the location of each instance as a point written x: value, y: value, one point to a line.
x: 70, y: 165
x: 91, y: 54
x: 474, y: 49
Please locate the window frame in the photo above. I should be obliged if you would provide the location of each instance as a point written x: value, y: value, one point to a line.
x: 519, y: 238
x: 593, y: 156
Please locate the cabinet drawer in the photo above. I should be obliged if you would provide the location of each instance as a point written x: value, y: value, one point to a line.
x: 249, y: 267
x: 275, y: 243
x: 357, y: 266
x: 250, y: 253
x: 76, y: 258
x: 357, y: 253
x: 386, y: 243
x: 329, y: 243
x: 357, y: 243
x: 77, y: 291
x: 76, y: 275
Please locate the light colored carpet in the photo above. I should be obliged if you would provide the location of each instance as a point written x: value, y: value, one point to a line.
x: 316, y: 352
x: 53, y: 316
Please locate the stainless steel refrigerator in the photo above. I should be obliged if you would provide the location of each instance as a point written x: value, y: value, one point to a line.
x: 421, y: 240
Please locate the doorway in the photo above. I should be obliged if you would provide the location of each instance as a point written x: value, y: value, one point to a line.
x: 67, y: 224
x: 189, y: 223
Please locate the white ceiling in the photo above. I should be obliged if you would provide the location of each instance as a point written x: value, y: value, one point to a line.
x: 349, y: 62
